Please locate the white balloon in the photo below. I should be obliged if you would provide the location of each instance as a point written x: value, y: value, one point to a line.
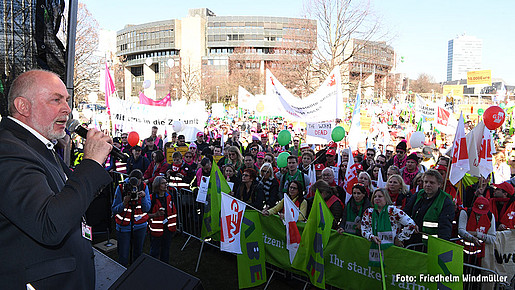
x: 149, y: 61
x: 417, y: 139
x: 146, y: 84
x: 170, y: 62
x: 177, y: 126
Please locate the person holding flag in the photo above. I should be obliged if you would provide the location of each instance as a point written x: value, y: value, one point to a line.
x: 296, y: 194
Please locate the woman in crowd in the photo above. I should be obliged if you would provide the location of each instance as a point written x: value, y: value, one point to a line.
x: 163, y: 220
x: 157, y: 167
x: 189, y: 166
x: 296, y: 194
x: 250, y: 189
x: 352, y: 213
x: 270, y: 185
x: 385, y: 224
x: 229, y: 173
x: 397, y: 191
x: 418, y: 183
x: 269, y: 157
x: 375, y: 174
x: 233, y: 157
x: 365, y: 179
x: 131, y: 211
x: 392, y: 170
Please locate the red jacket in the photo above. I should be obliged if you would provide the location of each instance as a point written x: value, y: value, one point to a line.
x: 507, y: 214
x: 153, y: 170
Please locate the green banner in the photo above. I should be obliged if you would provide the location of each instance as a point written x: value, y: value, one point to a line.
x: 252, y: 261
x: 314, y: 238
x: 445, y: 264
x: 211, y: 218
x: 346, y: 260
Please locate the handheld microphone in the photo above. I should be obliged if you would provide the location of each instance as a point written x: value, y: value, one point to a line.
x: 74, y: 126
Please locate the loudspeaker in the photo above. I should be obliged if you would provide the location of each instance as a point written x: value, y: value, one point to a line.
x: 149, y: 273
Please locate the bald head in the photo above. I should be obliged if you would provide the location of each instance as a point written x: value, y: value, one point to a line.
x: 24, y: 86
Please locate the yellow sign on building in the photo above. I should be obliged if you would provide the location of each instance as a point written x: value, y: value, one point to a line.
x: 453, y: 90
x: 479, y: 77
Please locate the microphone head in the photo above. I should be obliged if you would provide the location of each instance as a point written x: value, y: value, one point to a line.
x: 72, y: 125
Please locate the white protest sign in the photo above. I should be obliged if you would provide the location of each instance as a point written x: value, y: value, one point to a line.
x: 319, y: 133
x: 202, y: 190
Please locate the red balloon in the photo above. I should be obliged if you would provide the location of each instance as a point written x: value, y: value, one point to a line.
x: 133, y: 138
x: 494, y: 117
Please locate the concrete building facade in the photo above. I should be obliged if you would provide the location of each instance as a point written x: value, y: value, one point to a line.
x: 464, y: 53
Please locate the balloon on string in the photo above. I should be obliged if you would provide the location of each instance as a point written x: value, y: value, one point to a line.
x: 133, y: 138
x: 337, y: 134
x: 502, y: 105
x: 480, y: 111
x: 177, y: 126
x: 282, y: 159
x: 494, y: 117
x: 146, y: 84
x: 284, y: 137
x: 417, y: 139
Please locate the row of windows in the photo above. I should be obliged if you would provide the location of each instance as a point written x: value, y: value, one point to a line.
x: 228, y: 37
x: 261, y: 24
x: 152, y: 32
x: 146, y: 55
x: 263, y: 50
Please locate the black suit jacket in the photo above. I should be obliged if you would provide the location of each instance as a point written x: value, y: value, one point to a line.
x: 40, y: 214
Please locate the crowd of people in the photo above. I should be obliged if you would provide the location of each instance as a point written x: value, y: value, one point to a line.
x: 402, y: 194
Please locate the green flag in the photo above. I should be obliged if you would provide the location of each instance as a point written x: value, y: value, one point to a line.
x: 310, y: 255
x: 252, y: 260
x: 211, y: 219
x: 445, y: 261
x: 419, y: 125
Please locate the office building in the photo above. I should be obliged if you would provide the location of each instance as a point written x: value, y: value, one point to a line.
x: 464, y: 54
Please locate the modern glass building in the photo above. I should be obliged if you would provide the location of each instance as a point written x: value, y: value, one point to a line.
x: 174, y: 53
x: 464, y: 53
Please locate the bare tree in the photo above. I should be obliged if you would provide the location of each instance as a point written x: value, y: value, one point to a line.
x: 86, y: 72
x: 425, y: 84
x: 244, y: 70
x: 191, y: 82
x: 339, y: 22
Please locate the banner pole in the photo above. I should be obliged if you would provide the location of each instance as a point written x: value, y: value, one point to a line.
x: 382, y: 268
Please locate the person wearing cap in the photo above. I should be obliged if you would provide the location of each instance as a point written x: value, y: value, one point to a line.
x: 265, y: 144
x: 149, y: 147
x: 389, y: 152
x: 292, y: 173
x: 201, y: 144
x: 260, y: 159
x: 399, y: 159
x: 503, y: 206
x: 411, y: 170
x: 431, y: 208
x: 318, y: 170
x: 137, y: 160
x: 330, y: 157
x: 194, y: 150
x: 477, y: 227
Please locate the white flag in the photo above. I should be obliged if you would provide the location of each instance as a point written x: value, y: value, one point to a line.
x: 312, y: 176
x: 485, y: 154
x: 232, y: 211
x: 291, y: 215
x: 351, y: 177
x: 380, y: 182
x: 460, y: 156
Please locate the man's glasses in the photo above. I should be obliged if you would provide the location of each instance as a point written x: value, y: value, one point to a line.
x: 188, y: 156
x: 400, y: 152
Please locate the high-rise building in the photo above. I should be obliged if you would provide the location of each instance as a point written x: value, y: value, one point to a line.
x: 464, y: 54
x: 185, y: 56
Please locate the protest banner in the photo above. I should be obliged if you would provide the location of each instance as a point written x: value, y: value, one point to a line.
x: 252, y: 261
x: 318, y: 133
x: 479, y: 77
x: 500, y: 256
x: 231, y: 216
x: 323, y: 105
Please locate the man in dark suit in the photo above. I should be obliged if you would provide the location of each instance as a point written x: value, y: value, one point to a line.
x: 42, y: 202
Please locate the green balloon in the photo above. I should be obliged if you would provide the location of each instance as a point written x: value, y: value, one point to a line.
x: 389, y: 123
x: 480, y: 111
x: 502, y: 105
x: 284, y: 137
x: 338, y: 134
x: 282, y: 159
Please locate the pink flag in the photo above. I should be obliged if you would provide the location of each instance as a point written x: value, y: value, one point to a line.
x: 485, y: 154
x: 230, y: 224
x: 460, y: 156
x: 109, y: 87
x: 351, y: 177
x: 144, y: 100
x: 291, y: 215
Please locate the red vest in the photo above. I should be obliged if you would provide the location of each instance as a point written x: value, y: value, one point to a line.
x: 124, y: 218
x: 507, y: 214
x: 474, y: 226
x: 332, y: 200
x: 156, y: 223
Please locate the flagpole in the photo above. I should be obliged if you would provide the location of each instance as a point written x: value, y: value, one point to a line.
x: 382, y: 268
